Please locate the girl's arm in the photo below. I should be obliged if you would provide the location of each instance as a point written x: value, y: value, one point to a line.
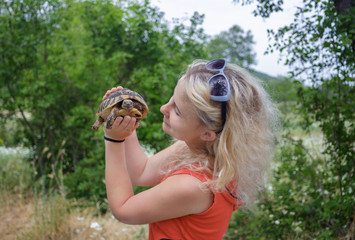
x: 142, y: 170
x: 118, y: 183
x: 177, y: 196
x: 146, y: 171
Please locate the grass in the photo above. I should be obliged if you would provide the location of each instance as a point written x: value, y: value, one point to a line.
x: 29, y: 215
x: 54, y: 217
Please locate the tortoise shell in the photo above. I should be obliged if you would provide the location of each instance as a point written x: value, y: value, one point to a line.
x: 119, y: 96
x: 113, y: 106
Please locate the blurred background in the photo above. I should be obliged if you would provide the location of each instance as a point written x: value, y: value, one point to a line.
x: 58, y: 58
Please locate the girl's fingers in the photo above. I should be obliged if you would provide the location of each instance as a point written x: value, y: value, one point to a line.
x: 106, y: 94
x: 122, y: 123
x: 122, y: 127
x: 131, y: 125
x: 114, y: 89
x: 119, y: 120
x: 128, y: 124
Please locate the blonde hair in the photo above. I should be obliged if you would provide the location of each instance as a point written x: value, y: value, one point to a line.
x: 242, y: 151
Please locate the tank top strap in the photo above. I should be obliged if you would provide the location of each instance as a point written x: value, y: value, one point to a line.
x: 203, y: 177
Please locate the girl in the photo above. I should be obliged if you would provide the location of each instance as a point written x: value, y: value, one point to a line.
x: 222, y: 120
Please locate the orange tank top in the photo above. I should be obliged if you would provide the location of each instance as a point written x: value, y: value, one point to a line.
x: 208, y: 225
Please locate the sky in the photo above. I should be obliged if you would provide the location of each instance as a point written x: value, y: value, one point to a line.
x: 220, y: 15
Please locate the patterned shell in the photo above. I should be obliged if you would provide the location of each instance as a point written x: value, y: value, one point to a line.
x: 119, y: 96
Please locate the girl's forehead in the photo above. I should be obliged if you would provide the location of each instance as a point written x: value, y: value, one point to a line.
x: 180, y: 91
x: 182, y: 101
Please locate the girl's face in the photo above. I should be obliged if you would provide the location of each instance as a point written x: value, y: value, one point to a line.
x: 180, y: 121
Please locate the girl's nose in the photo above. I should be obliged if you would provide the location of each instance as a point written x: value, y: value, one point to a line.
x: 164, y: 109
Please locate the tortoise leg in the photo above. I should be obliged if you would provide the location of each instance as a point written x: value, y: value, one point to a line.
x: 111, y: 118
x: 97, y: 123
x: 136, y: 114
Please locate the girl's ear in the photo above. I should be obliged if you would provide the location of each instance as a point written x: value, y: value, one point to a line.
x: 208, y: 136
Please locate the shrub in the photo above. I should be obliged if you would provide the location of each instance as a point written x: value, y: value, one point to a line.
x: 16, y: 173
x: 88, y: 182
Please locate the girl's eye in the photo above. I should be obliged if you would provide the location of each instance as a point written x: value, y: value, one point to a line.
x: 177, y: 112
x: 176, y: 109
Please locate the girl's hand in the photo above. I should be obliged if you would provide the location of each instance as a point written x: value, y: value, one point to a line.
x: 114, y: 89
x: 121, y: 128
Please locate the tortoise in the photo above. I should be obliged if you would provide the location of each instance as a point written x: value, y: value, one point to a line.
x: 120, y: 103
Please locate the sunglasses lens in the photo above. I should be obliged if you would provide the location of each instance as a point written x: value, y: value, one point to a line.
x: 218, y: 85
x: 216, y: 64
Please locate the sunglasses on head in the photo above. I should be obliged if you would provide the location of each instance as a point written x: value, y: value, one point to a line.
x: 219, y: 86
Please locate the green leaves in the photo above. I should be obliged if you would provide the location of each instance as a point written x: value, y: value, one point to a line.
x: 234, y: 45
x: 311, y: 194
x: 58, y: 58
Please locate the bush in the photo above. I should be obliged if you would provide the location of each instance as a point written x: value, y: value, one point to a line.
x: 301, y: 203
x: 16, y: 173
x: 88, y: 182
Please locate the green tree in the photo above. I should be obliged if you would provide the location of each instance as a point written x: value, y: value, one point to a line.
x: 320, y: 49
x: 283, y: 90
x: 235, y: 45
x: 59, y: 57
x: 25, y: 33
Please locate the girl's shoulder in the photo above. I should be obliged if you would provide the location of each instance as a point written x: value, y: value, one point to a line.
x: 202, y: 174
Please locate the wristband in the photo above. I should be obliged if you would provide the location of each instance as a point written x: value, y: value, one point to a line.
x: 113, y: 140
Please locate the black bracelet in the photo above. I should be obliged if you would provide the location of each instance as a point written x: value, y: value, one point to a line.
x: 113, y: 140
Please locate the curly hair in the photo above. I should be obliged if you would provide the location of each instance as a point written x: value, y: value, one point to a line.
x: 242, y: 150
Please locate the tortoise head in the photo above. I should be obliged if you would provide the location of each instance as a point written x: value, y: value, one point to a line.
x: 127, y: 104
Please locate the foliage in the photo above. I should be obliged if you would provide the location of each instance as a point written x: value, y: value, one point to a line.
x: 296, y: 207
x: 59, y: 57
x: 11, y: 131
x: 87, y: 182
x: 233, y: 45
x: 284, y: 91
x: 320, y: 49
x: 16, y: 173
